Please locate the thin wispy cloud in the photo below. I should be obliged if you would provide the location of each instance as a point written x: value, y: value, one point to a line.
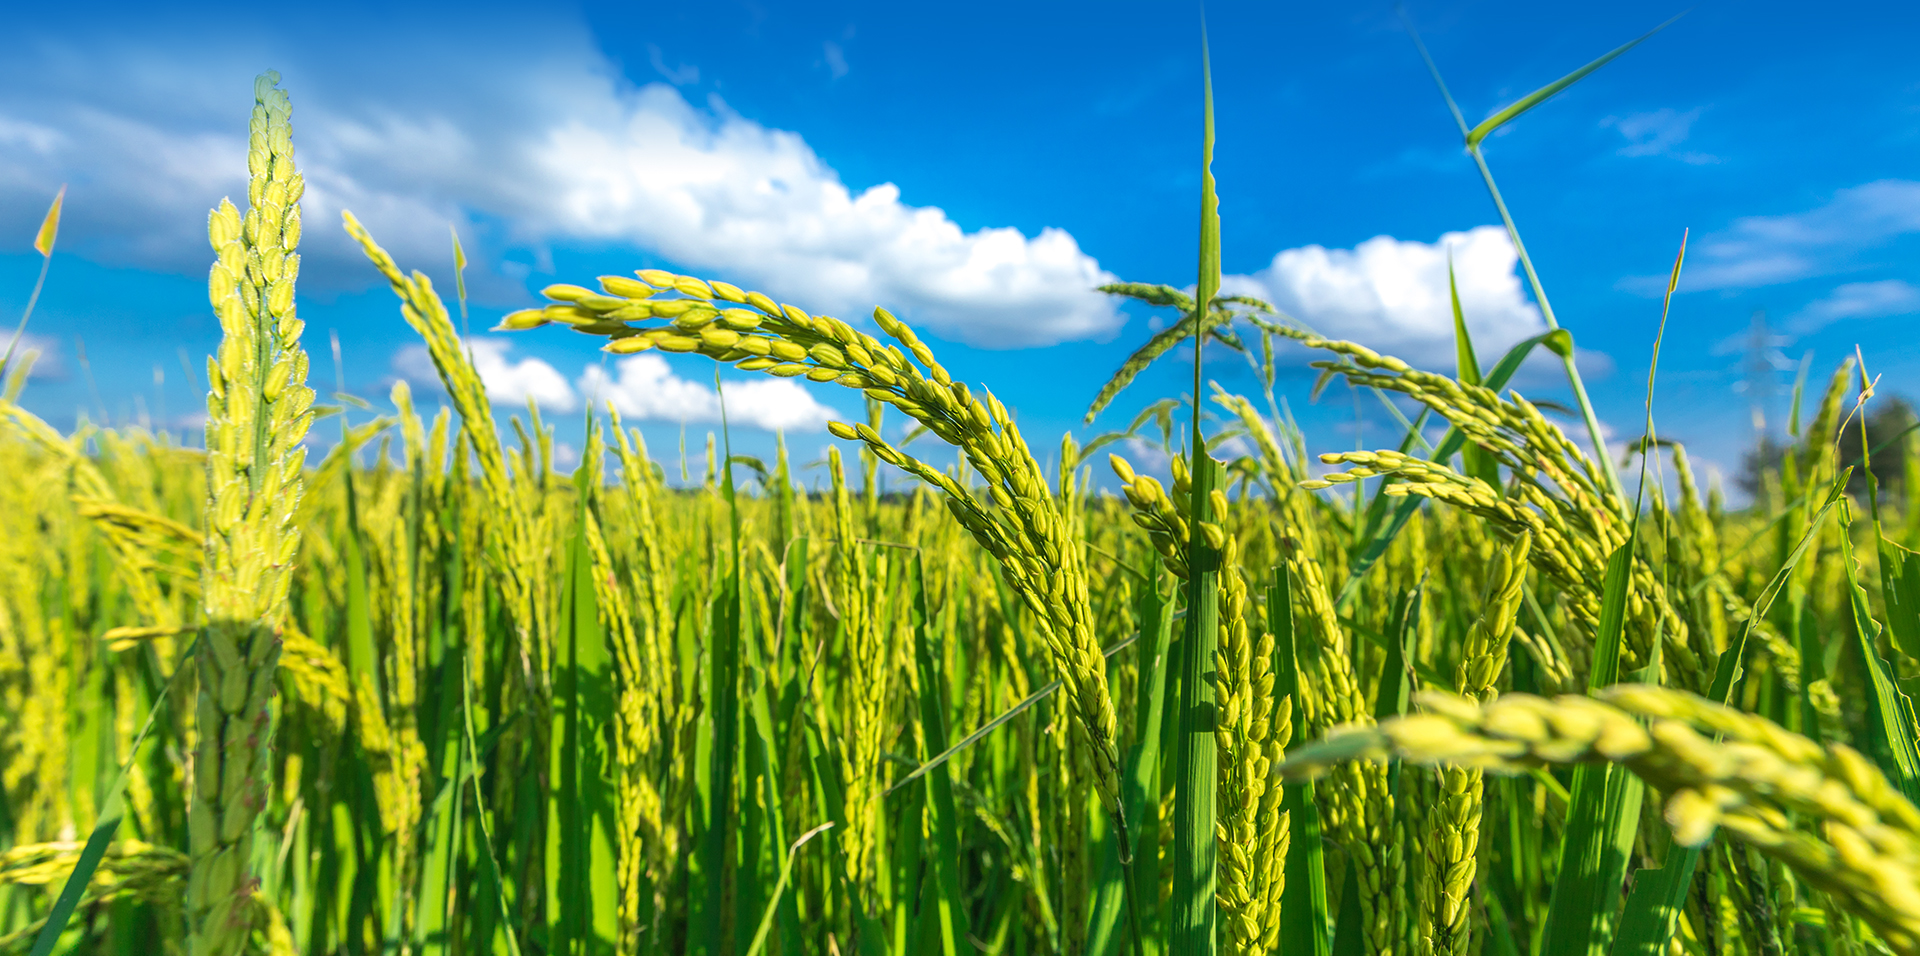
x: 1659, y: 133
x: 680, y: 75
x: 836, y: 59
x: 1758, y: 251
x: 1857, y: 300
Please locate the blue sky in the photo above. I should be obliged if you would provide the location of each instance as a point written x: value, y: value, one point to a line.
x: 976, y: 171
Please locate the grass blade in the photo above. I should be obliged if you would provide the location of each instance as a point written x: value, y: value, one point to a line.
x: 997, y: 722
x: 584, y: 907
x: 1472, y: 139
x: 708, y: 913
x: 1890, y: 715
x: 1900, y: 590
x: 103, y: 829
x: 1119, y: 888
x: 43, y: 244
x: 1303, y: 903
x: 1580, y: 918
x: 949, y: 906
x: 1541, y: 95
x: 1466, y: 364
x: 1475, y: 460
x: 786, y: 872
x: 1194, y: 849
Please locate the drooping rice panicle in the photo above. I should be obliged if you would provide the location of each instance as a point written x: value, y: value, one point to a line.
x: 1024, y: 530
x: 1827, y: 812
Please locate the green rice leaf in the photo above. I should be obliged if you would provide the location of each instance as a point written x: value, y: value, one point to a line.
x: 950, y: 914
x: 1541, y: 95
x: 1900, y: 590
x: 1195, y: 861
x: 104, y: 828
x: 1194, y: 848
x: 759, y: 943
x: 1890, y: 713
x: 1127, y: 886
x: 1605, y: 807
x: 1476, y: 461
x: 1303, y: 902
x: 580, y: 847
x: 998, y: 721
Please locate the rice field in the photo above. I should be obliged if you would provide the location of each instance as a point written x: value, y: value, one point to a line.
x: 1482, y: 692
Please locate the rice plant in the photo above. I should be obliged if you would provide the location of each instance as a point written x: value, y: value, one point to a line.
x: 427, y: 695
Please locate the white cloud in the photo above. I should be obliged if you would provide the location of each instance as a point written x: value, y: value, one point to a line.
x: 525, y: 139
x: 642, y: 388
x: 1658, y: 134
x: 836, y: 59
x: 1857, y: 300
x: 1144, y: 455
x: 47, y: 360
x: 508, y: 383
x: 1760, y: 251
x: 713, y: 190
x: 646, y: 389
x: 32, y: 136
x: 1391, y: 294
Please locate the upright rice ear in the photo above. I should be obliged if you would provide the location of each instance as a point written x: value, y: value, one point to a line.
x: 258, y: 410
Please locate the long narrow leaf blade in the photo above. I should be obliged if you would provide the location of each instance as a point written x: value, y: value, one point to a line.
x: 50, y: 226
x: 1142, y: 793
x: 1541, y: 95
x: 997, y: 722
x: 110, y: 814
x: 1303, y: 901
x: 950, y: 912
x: 1580, y: 918
x: 1890, y: 716
x: 759, y: 944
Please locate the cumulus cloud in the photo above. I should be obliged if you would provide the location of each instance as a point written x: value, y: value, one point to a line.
x: 1857, y: 300
x: 642, y: 388
x: 1758, y: 251
x: 48, y: 363
x: 1391, y: 294
x: 645, y: 388
x: 713, y: 190
x: 1659, y: 133
x: 527, y: 138
x: 509, y: 382
x: 1146, y: 456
